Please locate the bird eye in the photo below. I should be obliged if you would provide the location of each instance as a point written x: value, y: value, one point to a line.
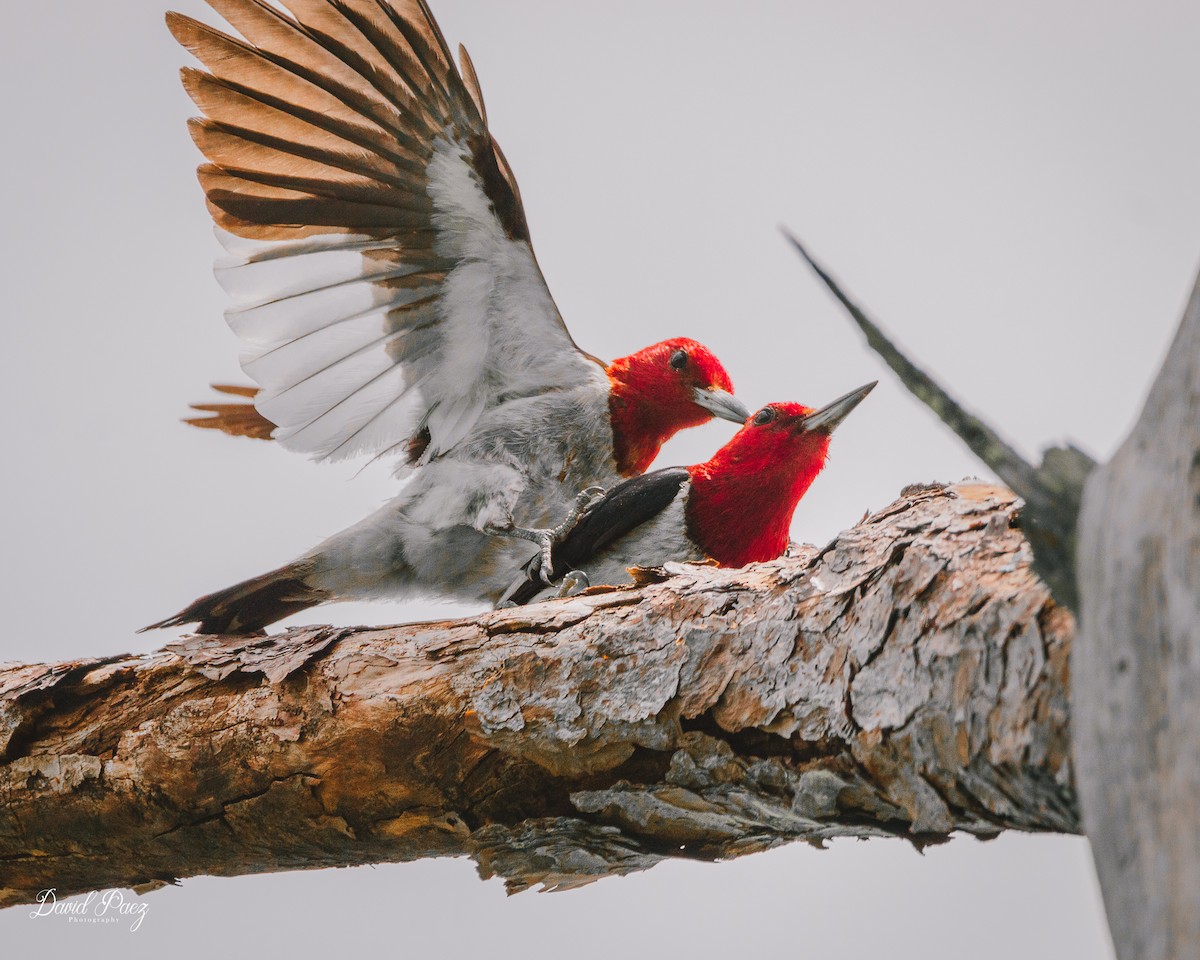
x: 678, y: 360
x: 764, y: 416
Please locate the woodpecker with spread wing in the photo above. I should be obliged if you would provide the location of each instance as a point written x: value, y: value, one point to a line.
x: 733, y: 509
x: 382, y: 277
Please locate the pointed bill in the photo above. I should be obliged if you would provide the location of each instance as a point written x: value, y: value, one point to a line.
x: 832, y: 414
x: 721, y: 403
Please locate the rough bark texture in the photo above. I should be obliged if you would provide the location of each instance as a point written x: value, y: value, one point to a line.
x: 1137, y: 667
x: 908, y: 679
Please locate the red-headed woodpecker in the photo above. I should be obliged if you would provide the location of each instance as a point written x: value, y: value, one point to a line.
x: 383, y: 280
x: 735, y: 508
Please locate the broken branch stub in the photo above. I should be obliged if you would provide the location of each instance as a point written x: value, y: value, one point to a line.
x: 1052, y: 491
x: 908, y: 679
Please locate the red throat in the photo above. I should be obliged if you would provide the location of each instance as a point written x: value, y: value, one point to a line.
x: 741, y: 503
x: 650, y: 401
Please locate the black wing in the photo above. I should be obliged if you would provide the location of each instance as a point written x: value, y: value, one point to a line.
x: 624, y: 508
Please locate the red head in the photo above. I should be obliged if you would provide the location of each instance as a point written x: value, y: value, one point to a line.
x: 741, y: 503
x: 659, y: 391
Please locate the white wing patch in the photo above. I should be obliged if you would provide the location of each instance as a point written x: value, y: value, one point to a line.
x: 356, y: 352
x: 503, y: 335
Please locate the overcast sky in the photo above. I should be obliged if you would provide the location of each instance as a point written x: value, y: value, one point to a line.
x: 1010, y: 188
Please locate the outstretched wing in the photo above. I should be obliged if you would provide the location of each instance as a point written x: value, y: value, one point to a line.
x: 624, y: 508
x: 378, y: 255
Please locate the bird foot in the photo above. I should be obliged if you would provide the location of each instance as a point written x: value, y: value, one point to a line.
x: 547, y: 538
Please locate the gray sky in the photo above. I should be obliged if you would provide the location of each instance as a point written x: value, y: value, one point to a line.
x: 1009, y: 187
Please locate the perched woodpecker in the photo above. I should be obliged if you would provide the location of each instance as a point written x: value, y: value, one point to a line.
x: 735, y: 508
x: 383, y: 280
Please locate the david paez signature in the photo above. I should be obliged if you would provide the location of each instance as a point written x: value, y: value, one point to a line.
x: 107, y: 906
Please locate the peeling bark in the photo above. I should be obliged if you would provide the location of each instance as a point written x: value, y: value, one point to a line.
x: 908, y: 679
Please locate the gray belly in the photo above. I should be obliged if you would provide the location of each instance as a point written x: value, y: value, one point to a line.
x: 561, y: 445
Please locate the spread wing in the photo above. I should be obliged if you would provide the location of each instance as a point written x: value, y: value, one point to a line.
x: 378, y: 256
x: 624, y: 508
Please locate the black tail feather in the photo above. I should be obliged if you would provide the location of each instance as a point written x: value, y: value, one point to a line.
x: 249, y: 606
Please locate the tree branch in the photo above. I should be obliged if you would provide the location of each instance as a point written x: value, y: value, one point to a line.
x: 908, y: 679
x: 1137, y: 667
x: 1052, y: 491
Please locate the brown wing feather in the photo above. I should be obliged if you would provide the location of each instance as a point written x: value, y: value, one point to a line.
x: 236, y: 389
x: 244, y: 110
x: 283, y: 40
x: 471, y: 79
x: 353, y: 93
x: 238, y: 63
x: 258, y: 197
x: 264, y: 157
x: 235, y: 419
x: 491, y: 162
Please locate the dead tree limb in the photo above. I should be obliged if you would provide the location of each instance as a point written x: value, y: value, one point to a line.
x: 1052, y: 491
x: 1137, y: 667
x: 909, y: 679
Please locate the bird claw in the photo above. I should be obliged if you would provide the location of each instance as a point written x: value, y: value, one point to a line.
x: 545, y: 544
x: 583, y: 500
x: 544, y: 538
x: 576, y: 581
x: 547, y: 538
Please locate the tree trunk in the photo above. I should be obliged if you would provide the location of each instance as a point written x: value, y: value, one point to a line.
x: 909, y: 679
x: 1137, y: 667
